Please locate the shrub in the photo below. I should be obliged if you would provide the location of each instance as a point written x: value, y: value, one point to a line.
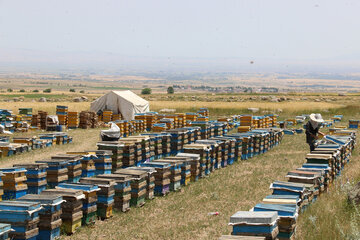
x: 170, y: 90
x: 72, y: 90
x: 22, y: 90
x: 48, y: 90
x: 35, y: 90
x: 9, y: 90
x: 146, y: 91
x: 82, y: 91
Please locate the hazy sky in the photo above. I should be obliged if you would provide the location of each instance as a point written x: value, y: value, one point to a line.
x: 279, y: 30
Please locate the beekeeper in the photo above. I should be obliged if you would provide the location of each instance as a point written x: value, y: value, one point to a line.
x: 312, y: 129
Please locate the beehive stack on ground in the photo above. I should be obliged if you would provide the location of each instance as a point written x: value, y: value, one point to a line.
x: 354, y: 124
x: 14, y: 181
x: 62, y: 113
x: 73, y: 120
x: 194, y: 160
x: 162, y: 177
x: 35, y: 176
x: 87, y: 165
x: 43, y: 117
x: 138, y: 185
x: 73, y: 165
x: 23, y: 217
x: 175, y: 176
x: 85, y: 121
x: 122, y: 190
x: 50, y: 220
x: 103, y: 161
x: 107, y: 116
x: 204, y: 112
x: 185, y: 165
x: 105, y: 196
x: 203, y: 152
x: 131, y: 152
x: 89, y: 207
x: 71, y: 209
x: 181, y: 119
x: 36, y: 121
x: 150, y: 180
x: 247, y: 223
x: 57, y: 171
x: 117, y: 153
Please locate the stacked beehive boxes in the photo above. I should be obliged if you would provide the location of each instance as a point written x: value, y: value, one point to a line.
x: 192, y: 117
x: 57, y: 171
x: 62, y: 113
x: 14, y: 181
x: 89, y: 207
x: 169, y: 122
x: 147, y: 147
x: 162, y: 177
x: 122, y: 190
x: 35, y: 121
x: 23, y: 217
x: 117, y: 153
x: 354, y: 124
x: 130, y: 151
x: 159, y: 127
x: 249, y: 223
x: 175, y: 170
x: 5, y: 229
x: 71, y: 209
x: 246, y: 120
x: 50, y: 221
x: 138, y: 185
x: 107, y: 116
x: 194, y: 160
x: 43, y: 117
x: 185, y: 164
x: 73, y: 165
x: 203, y: 152
x: 150, y: 180
x: 204, y: 112
x: 105, y: 201
x: 85, y: 121
x: 88, y: 165
x: 73, y: 119
x: 35, y: 176
x: 103, y: 161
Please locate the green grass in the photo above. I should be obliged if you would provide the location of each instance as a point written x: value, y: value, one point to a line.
x: 184, y: 214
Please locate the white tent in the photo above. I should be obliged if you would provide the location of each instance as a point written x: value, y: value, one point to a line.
x: 125, y: 102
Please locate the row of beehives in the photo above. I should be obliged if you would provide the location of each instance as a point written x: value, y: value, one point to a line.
x: 69, y: 119
x: 132, y: 185
x: 136, y: 149
x: 26, y: 120
x: 26, y: 144
x: 275, y: 217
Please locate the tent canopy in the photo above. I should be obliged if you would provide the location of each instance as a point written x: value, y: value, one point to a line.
x: 125, y: 102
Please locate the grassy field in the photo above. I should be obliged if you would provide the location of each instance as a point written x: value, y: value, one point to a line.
x: 184, y: 215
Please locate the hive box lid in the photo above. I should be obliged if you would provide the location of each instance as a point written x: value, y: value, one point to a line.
x: 98, y: 181
x: 248, y: 217
x: 43, y: 199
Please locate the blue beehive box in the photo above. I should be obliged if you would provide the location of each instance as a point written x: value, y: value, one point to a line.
x: 22, y: 216
x: 5, y: 229
x: 51, y: 209
x: 249, y: 223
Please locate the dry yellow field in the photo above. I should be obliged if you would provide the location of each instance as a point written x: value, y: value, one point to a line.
x: 238, y: 106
